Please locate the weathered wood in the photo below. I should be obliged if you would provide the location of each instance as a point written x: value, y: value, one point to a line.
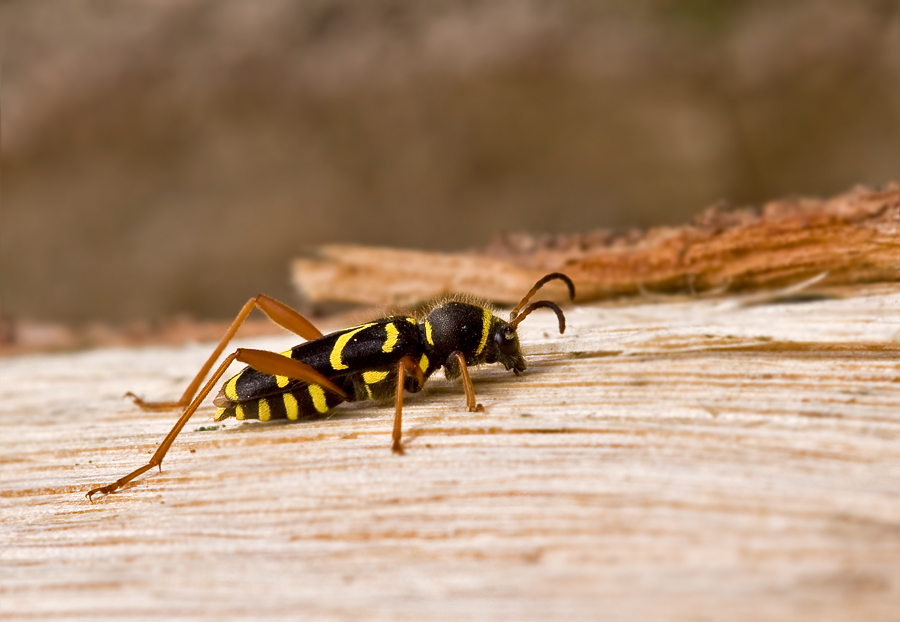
x: 682, y: 460
x: 391, y: 276
x: 854, y: 238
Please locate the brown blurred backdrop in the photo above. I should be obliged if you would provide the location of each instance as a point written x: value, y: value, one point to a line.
x: 170, y: 157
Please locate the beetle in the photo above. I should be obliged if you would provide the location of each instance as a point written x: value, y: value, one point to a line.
x: 374, y: 360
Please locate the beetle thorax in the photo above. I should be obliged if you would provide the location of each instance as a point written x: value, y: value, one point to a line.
x: 476, y: 332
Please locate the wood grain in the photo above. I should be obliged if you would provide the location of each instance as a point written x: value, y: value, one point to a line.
x: 687, y: 460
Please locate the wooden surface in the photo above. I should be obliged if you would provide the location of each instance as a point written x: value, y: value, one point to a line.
x: 686, y: 459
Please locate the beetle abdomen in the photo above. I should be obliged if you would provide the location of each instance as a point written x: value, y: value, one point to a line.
x: 299, y: 403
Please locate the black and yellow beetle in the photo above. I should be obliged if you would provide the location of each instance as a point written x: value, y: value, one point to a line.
x: 375, y: 360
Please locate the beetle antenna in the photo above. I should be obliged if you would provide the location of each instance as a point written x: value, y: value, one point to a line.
x: 550, y: 277
x: 538, y: 305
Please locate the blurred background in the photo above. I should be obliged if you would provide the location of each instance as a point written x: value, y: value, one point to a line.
x: 167, y: 157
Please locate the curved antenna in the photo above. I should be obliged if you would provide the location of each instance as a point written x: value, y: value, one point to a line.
x: 538, y: 305
x: 550, y: 277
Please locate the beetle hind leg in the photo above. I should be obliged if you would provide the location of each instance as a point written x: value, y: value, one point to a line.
x: 278, y: 312
x: 266, y: 362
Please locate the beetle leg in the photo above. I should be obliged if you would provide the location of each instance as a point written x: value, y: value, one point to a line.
x: 276, y: 311
x: 406, y: 363
x: 160, y: 453
x: 266, y: 362
x: 278, y: 365
x: 467, y: 384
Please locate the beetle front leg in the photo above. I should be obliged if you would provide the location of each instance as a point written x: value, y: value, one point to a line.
x: 467, y: 384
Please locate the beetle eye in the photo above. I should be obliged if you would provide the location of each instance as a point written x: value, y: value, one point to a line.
x: 506, y: 341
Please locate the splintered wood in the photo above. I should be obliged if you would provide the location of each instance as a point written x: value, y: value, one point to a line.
x: 854, y: 238
x: 690, y: 459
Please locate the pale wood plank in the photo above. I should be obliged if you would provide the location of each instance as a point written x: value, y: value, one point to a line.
x: 687, y: 459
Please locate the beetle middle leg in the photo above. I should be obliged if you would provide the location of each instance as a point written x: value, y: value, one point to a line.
x: 406, y: 363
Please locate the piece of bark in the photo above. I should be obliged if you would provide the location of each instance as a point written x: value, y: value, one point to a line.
x: 387, y: 276
x: 854, y: 238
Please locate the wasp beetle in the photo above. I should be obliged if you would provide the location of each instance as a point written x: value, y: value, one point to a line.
x: 376, y: 360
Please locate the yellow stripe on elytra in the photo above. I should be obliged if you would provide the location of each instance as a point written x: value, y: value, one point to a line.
x: 423, y: 363
x: 264, y: 412
x: 317, y: 394
x: 428, y: 336
x: 391, y: 340
x: 283, y: 381
x: 411, y: 320
x: 335, y: 358
x: 290, y: 407
x: 231, y: 389
x: 373, y: 377
x: 486, y: 319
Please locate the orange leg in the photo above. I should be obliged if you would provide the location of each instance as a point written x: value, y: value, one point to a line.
x: 278, y: 312
x: 406, y: 363
x: 266, y: 362
x: 467, y: 384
